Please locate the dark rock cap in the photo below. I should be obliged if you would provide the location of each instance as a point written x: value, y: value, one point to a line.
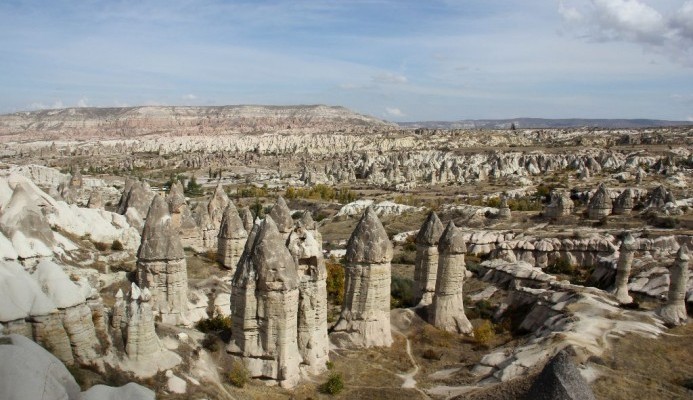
x: 430, y: 231
x: 281, y: 215
x: 369, y: 242
x: 160, y: 242
x: 276, y: 269
x: 231, y: 224
x: 245, y: 268
x: 176, y: 198
x: 625, y: 199
x: 560, y: 380
x: 601, y: 198
x: 451, y: 241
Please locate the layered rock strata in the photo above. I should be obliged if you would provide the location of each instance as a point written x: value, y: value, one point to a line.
x: 426, y: 262
x: 161, y: 264
x: 447, y: 310
x: 313, y: 343
x: 142, y: 343
x: 365, y: 317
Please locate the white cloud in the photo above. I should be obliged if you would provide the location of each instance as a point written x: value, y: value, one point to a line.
x: 690, y: 118
x: 189, y: 96
x: 42, y: 106
x: 394, y: 112
x: 390, y: 78
x: 635, y: 21
x: 83, y: 102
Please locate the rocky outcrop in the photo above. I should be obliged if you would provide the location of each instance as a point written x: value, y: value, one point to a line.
x: 265, y: 298
x: 216, y: 206
x: 247, y: 218
x: 624, y: 202
x: 365, y: 317
x: 503, y: 209
x: 142, y: 343
x: 181, y: 217
x: 313, y: 343
x: 161, y: 265
x: 625, y: 260
x: 560, y: 380
x: 25, y: 225
x: 281, y: 214
x: 138, y: 197
x: 674, y: 312
x: 560, y: 205
x: 426, y: 262
x: 95, y: 199
x: 447, y: 310
x: 206, y: 226
x: 600, y: 204
x: 232, y: 237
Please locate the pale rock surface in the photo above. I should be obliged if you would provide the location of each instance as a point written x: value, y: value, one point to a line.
x: 265, y: 299
x: 23, y: 222
x: 560, y: 205
x: 503, y: 209
x: 674, y: 312
x: 365, y: 318
x: 217, y: 204
x: 232, y: 237
x: 600, y: 204
x: 28, y: 371
x: 206, y: 225
x: 95, y: 199
x: 624, y: 202
x: 447, y: 310
x: 129, y: 391
x: 142, y: 342
x: 247, y: 218
x: 625, y: 261
x: 426, y: 262
x: 161, y: 264
x: 313, y: 343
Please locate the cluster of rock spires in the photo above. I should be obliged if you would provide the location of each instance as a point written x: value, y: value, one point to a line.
x: 602, y: 205
x: 279, y: 300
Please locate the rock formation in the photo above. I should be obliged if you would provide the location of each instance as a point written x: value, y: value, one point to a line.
x: 560, y: 380
x: 142, y: 342
x: 181, y: 217
x: 674, y: 312
x: 426, y: 263
x: 232, y: 237
x: 161, y: 264
x: 76, y: 181
x: 365, y: 317
x: 313, y: 343
x: 625, y: 260
x: 247, y: 218
x: 624, y: 202
x: 309, y: 224
x: 600, y: 204
x: 560, y: 205
x: 95, y: 199
x: 217, y: 205
x: 206, y: 226
x: 281, y: 214
x: 503, y: 209
x: 265, y: 299
x: 447, y: 310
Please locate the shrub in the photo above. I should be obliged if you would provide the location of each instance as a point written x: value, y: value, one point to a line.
x: 217, y: 324
x: 484, y: 333
x: 211, y: 342
x: 334, y: 384
x: 239, y: 375
x: 401, y: 292
x: 431, y: 354
x: 335, y: 282
x: 193, y: 189
x: 562, y: 266
x: 329, y: 365
x: 101, y: 246
x: 484, y: 308
x: 117, y: 246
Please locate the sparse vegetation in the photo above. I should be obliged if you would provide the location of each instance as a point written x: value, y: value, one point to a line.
x: 321, y: 192
x: 239, y: 375
x: 484, y: 333
x: 193, y: 189
x: 401, y: 292
x: 335, y: 282
x: 117, y: 246
x: 334, y: 384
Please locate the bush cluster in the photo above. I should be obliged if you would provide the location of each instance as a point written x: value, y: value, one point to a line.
x: 334, y: 384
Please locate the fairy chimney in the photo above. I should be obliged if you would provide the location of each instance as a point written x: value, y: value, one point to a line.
x: 426, y: 263
x: 365, y: 317
x: 447, y: 309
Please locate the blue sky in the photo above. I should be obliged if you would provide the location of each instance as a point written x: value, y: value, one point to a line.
x: 399, y: 60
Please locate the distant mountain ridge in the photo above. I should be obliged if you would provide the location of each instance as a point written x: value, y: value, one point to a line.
x: 544, y: 123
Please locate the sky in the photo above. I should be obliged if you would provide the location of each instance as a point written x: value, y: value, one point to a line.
x: 399, y: 60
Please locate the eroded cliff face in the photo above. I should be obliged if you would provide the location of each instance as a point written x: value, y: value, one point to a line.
x: 81, y: 123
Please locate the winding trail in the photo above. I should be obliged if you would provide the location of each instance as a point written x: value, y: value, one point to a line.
x: 409, y: 381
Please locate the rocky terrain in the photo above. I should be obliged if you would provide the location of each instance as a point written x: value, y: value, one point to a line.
x: 311, y: 252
